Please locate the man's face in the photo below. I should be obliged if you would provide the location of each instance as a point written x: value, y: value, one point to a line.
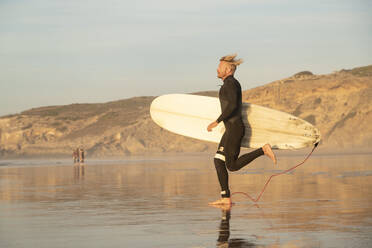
x: 221, y: 70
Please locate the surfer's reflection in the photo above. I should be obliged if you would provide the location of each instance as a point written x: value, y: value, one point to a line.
x: 223, y: 240
x: 224, y: 233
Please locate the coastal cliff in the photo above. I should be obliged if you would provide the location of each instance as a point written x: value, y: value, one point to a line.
x: 338, y: 104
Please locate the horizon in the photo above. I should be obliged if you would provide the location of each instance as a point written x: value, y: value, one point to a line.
x: 57, y: 53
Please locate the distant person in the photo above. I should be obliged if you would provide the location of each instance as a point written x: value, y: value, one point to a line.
x: 74, y: 155
x: 78, y: 155
x: 81, y: 155
x: 227, y: 156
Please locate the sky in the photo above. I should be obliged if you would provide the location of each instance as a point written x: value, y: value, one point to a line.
x: 55, y: 52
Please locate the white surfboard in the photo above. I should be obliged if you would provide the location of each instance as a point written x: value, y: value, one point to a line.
x: 189, y: 115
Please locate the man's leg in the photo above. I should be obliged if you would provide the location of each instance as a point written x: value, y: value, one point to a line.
x: 233, y: 142
x: 222, y: 174
x: 234, y: 164
x: 223, y: 178
x: 219, y: 163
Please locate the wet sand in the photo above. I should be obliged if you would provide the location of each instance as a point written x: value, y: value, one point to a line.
x: 163, y: 202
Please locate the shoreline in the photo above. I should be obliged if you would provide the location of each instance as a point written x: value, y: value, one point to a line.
x: 191, y: 155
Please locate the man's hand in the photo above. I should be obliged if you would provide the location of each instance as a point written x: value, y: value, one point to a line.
x: 212, y: 125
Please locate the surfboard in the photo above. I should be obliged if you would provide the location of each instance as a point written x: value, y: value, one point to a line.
x: 189, y: 115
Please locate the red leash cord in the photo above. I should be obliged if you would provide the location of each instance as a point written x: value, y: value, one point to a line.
x: 274, y: 175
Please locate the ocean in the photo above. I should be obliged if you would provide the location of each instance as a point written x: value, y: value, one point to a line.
x: 163, y: 202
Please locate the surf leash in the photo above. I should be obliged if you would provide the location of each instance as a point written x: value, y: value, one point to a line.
x: 274, y: 175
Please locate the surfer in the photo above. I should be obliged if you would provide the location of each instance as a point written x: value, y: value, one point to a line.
x: 227, y: 156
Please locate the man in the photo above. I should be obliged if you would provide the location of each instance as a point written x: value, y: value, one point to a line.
x: 227, y: 156
x: 81, y: 155
x: 74, y: 155
x: 78, y: 155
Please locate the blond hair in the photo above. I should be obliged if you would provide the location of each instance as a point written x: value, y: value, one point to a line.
x: 231, y: 61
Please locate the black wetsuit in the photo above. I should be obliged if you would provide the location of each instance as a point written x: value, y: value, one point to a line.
x: 230, y: 96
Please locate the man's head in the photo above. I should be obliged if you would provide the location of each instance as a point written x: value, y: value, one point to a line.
x: 228, y: 66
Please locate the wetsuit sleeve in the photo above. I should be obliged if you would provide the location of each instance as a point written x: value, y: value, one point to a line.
x: 232, y: 98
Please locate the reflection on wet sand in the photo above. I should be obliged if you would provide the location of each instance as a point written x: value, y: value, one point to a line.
x: 224, y: 232
x: 223, y: 240
x: 324, y: 203
x: 79, y: 171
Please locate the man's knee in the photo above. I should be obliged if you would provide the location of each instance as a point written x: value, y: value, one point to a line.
x: 219, y: 158
x: 230, y: 165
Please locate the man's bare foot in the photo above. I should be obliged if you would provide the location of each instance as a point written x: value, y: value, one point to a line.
x: 223, y: 207
x: 222, y: 202
x: 268, y: 152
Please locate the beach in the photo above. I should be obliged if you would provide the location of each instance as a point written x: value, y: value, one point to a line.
x: 163, y: 202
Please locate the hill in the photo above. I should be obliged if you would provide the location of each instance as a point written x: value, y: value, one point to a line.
x: 339, y: 104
